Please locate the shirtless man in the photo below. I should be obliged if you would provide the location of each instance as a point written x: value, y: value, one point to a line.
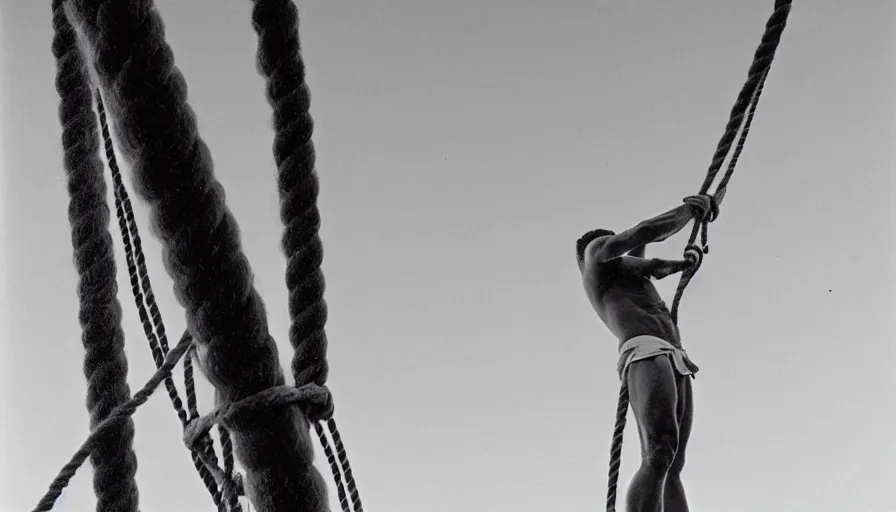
x: 617, y: 281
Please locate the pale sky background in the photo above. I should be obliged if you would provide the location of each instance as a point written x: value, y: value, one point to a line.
x: 463, y: 147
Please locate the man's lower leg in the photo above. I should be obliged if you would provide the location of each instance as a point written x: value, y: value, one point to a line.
x: 645, y: 494
x: 673, y: 496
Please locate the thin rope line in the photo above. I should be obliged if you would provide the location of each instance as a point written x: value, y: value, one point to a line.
x: 120, y: 413
x: 346, y: 468
x: 334, y: 466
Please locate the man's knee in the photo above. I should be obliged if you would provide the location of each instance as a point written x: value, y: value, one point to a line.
x: 662, y: 449
x: 677, y: 463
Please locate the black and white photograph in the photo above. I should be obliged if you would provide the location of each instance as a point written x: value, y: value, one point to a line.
x: 447, y: 256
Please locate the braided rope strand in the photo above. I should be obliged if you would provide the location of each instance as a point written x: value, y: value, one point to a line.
x: 616, y: 447
x: 346, y: 468
x: 722, y: 187
x: 334, y: 466
x: 702, y: 226
x: 173, y: 173
x: 105, y: 365
x: 280, y: 61
x: 232, y: 490
x: 762, y: 61
x: 744, y: 105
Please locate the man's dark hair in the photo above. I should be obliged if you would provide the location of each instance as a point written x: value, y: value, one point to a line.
x: 585, y: 239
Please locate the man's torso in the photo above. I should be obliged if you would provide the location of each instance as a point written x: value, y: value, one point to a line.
x: 628, y: 304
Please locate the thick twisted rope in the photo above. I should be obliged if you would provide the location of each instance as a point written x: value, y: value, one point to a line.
x: 740, y: 119
x: 213, y: 281
x: 141, y: 288
x: 692, y: 252
x: 105, y: 364
x: 744, y: 106
x: 616, y: 447
x: 279, y: 60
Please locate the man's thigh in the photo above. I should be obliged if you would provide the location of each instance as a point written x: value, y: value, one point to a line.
x: 685, y: 419
x: 653, y: 396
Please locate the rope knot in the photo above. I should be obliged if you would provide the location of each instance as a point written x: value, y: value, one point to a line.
x: 319, y: 403
x: 315, y: 400
x: 703, y: 207
x: 694, y: 254
x: 713, y: 209
x: 316, y: 403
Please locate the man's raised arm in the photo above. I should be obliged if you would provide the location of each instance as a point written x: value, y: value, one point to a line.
x: 652, y: 268
x: 653, y: 230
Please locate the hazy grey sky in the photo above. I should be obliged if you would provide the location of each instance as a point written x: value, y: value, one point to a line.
x: 463, y: 147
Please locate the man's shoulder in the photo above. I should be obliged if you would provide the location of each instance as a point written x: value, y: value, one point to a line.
x: 594, y: 247
x: 593, y: 259
x: 596, y: 273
